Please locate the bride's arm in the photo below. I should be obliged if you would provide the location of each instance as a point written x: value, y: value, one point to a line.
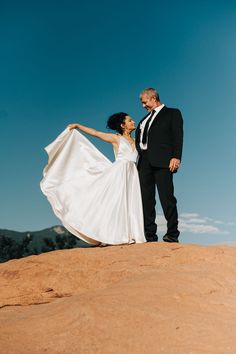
x: 109, y: 138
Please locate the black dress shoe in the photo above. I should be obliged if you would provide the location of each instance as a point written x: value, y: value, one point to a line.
x: 151, y: 238
x: 168, y: 238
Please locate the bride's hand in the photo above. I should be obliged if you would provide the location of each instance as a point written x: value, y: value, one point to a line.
x: 72, y: 126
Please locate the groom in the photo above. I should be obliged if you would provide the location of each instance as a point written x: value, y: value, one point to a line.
x: 159, y: 140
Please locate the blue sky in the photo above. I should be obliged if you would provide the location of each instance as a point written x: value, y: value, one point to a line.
x: 73, y: 61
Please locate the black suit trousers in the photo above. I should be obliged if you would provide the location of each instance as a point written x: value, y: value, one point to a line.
x: 150, y: 178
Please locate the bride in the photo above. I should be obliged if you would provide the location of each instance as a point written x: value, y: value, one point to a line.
x: 95, y: 199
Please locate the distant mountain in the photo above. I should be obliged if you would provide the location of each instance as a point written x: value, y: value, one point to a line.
x: 38, y: 236
x: 14, y: 244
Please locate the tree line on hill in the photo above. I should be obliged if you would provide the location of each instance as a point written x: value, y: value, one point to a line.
x: 12, y: 249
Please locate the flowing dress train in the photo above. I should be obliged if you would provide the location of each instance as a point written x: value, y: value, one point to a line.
x: 95, y: 199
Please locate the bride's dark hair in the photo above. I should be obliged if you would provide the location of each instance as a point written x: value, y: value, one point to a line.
x: 115, y: 120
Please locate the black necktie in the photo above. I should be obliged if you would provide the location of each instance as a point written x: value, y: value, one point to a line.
x: 144, y: 138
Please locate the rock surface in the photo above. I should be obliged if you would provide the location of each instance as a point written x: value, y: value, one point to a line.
x: 134, y: 299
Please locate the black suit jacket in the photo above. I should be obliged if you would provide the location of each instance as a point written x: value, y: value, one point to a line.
x: 165, y: 137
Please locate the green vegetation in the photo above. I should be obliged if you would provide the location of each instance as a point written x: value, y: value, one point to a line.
x: 14, y: 245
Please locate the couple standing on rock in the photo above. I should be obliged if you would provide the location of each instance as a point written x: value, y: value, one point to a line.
x: 101, y: 202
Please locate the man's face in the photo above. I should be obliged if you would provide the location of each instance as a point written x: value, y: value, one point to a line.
x: 148, y: 102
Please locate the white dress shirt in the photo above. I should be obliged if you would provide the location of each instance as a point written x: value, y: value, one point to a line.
x: 142, y: 126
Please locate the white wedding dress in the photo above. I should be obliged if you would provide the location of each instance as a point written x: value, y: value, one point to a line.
x: 95, y: 199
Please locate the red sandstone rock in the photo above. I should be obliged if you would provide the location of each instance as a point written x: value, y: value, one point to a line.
x: 134, y: 299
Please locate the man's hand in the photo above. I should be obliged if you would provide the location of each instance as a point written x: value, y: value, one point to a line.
x: 174, y: 164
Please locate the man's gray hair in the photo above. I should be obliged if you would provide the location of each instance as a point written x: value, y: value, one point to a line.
x: 150, y: 92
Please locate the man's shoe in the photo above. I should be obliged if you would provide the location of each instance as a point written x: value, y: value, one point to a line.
x: 151, y: 238
x: 168, y: 238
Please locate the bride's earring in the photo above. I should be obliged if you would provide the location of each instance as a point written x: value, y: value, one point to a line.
x: 123, y: 128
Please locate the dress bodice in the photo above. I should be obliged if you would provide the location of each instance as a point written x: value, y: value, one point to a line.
x: 126, y: 151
